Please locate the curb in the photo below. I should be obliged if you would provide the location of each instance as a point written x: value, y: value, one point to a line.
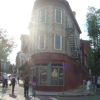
x: 65, y: 95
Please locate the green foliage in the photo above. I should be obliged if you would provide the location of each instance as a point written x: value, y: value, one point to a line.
x: 93, y: 61
x: 7, y: 45
x: 93, y: 22
x: 93, y: 27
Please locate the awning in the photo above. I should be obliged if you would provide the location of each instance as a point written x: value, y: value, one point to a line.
x: 23, y: 66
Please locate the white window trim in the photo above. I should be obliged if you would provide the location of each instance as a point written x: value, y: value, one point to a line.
x: 55, y: 16
x: 40, y: 17
x: 39, y: 42
x: 60, y: 42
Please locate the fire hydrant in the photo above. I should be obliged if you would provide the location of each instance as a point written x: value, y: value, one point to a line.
x: 95, y: 87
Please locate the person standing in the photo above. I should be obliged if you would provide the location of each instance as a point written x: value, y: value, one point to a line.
x: 5, y: 80
x: 13, y: 81
x: 26, y: 86
x: 34, y: 86
x: 88, y: 85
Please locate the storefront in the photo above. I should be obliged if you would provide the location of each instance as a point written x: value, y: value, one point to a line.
x: 47, y: 75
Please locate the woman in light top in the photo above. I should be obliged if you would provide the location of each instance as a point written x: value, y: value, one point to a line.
x: 34, y: 86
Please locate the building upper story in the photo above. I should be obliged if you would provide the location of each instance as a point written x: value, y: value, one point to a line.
x: 53, y: 28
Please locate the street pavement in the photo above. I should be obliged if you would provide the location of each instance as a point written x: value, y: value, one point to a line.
x: 78, y: 92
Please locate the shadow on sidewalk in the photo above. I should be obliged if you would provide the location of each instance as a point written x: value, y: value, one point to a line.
x: 4, y: 90
x: 12, y: 95
x: 21, y: 85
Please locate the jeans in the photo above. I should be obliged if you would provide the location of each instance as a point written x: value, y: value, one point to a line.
x: 34, y: 90
x: 26, y: 91
x: 5, y: 83
x: 13, y: 86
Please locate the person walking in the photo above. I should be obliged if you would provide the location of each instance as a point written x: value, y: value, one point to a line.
x: 88, y: 85
x: 5, y: 80
x: 18, y: 76
x: 26, y: 86
x: 34, y: 86
x: 13, y: 81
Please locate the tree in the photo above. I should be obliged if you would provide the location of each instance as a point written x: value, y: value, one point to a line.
x: 93, y: 27
x: 7, y: 45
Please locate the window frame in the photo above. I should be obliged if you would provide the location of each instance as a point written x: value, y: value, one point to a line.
x: 55, y: 16
x: 60, y: 42
x: 40, y: 43
x: 40, y: 16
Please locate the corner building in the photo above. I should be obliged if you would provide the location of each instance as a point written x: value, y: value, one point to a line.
x: 55, y: 46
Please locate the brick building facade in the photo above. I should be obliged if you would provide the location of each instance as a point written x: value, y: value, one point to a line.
x: 54, y: 44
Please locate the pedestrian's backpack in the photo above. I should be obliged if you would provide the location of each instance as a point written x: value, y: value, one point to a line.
x: 13, y: 81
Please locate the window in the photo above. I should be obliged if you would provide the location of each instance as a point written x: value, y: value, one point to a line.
x: 66, y: 46
x: 43, y: 16
x: 58, y: 16
x: 41, y: 44
x: 60, y: 76
x: 43, y: 76
x: 58, y: 42
x: 37, y: 75
x: 54, y: 76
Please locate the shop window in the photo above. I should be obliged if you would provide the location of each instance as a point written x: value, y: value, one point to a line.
x: 43, y: 76
x: 60, y: 76
x: 37, y: 75
x: 54, y: 76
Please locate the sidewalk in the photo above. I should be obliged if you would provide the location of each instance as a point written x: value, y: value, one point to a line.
x: 78, y: 91
x: 19, y: 92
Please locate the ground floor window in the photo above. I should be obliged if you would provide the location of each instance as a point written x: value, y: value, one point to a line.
x: 54, y: 76
x: 43, y: 76
x: 48, y: 75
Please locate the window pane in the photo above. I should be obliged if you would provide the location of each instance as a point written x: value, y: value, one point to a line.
x: 57, y: 42
x: 54, y: 76
x: 58, y: 16
x: 42, y: 19
x: 60, y: 76
x: 43, y: 76
x: 41, y: 41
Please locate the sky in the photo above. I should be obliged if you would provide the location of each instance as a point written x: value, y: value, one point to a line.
x: 15, y: 16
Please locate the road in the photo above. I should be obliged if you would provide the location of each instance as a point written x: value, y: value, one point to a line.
x: 97, y: 97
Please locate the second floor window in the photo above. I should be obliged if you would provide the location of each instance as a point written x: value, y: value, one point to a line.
x: 43, y: 16
x: 41, y: 42
x: 58, y: 42
x: 58, y: 16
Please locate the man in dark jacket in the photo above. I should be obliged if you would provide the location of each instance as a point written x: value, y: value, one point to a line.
x: 13, y: 81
